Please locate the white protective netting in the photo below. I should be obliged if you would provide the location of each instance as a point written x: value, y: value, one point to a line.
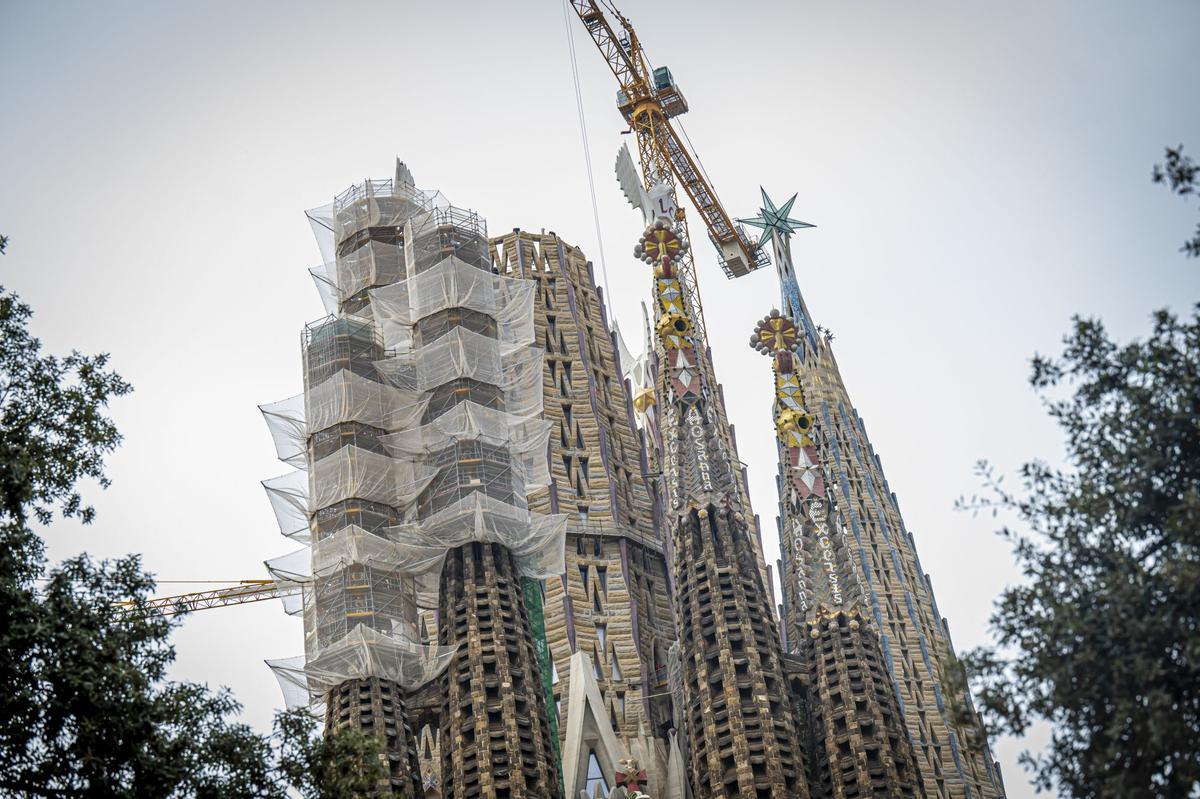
x: 356, y: 473
x: 433, y: 235
x: 476, y: 517
x: 285, y: 420
x: 365, y: 449
x: 375, y: 263
x: 292, y: 573
x: 379, y: 204
x: 288, y: 495
x: 355, y: 545
x: 536, y: 540
x: 363, y: 653
x: 516, y: 372
x: 349, y: 397
x: 454, y: 283
x: 525, y: 439
x: 422, y: 565
x: 463, y: 353
x: 326, y: 288
x: 293, y: 570
x: 293, y: 684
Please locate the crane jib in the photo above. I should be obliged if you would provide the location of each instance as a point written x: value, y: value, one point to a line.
x: 648, y: 98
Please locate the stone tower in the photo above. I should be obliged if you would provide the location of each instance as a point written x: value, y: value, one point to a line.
x: 858, y: 740
x: 874, y: 557
x: 743, y: 731
x: 612, y: 602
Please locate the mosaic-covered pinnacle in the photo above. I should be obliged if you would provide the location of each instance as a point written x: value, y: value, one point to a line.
x: 771, y: 219
x: 774, y: 334
x: 660, y: 245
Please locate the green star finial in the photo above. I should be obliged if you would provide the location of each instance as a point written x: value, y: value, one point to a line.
x: 771, y: 219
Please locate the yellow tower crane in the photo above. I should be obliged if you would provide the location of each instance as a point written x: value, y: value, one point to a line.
x: 648, y: 98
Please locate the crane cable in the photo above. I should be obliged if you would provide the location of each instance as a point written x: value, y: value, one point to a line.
x: 587, y: 153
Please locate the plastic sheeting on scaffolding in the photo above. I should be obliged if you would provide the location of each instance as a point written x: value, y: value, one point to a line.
x: 461, y: 353
x: 372, y: 203
x: 537, y: 541
x: 451, y: 284
x: 364, y: 653
x: 375, y: 263
x: 349, y: 473
x: 326, y: 288
x: 285, y: 421
x: 355, y: 545
x: 357, y: 473
x: 431, y: 236
x: 422, y: 565
x: 366, y: 450
x: 344, y: 397
x: 384, y: 204
x: 288, y: 494
x: 525, y: 439
x: 347, y: 397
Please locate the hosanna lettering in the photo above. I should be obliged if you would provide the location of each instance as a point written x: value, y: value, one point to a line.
x: 697, y: 434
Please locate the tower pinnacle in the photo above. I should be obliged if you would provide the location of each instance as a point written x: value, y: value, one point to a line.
x: 774, y: 220
x: 742, y: 731
x: 857, y: 606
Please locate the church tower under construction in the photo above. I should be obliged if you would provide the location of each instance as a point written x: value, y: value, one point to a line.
x: 418, y: 439
x: 530, y: 567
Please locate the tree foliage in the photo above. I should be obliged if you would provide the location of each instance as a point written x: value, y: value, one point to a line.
x: 348, y: 764
x: 1180, y: 173
x: 1102, y: 639
x: 85, y: 706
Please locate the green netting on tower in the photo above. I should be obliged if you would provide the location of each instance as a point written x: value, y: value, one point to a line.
x: 533, y: 606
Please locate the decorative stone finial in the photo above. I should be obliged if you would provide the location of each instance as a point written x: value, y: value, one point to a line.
x: 631, y: 776
x: 776, y: 335
x: 660, y: 245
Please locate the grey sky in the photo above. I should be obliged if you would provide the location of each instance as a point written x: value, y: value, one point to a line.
x: 978, y: 172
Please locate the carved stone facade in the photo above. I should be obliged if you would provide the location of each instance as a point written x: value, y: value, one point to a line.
x: 495, y: 732
x: 860, y: 744
x: 612, y: 603
x: 377, y: 707
x: 857, y: 735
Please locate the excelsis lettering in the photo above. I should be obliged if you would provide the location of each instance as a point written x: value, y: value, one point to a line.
x: 818, y: 524
x: 817, y: 515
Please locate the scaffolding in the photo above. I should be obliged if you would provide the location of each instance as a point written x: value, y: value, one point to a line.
x: 418, y: 431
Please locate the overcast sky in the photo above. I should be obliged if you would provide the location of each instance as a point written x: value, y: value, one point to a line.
x: 978, y: 173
